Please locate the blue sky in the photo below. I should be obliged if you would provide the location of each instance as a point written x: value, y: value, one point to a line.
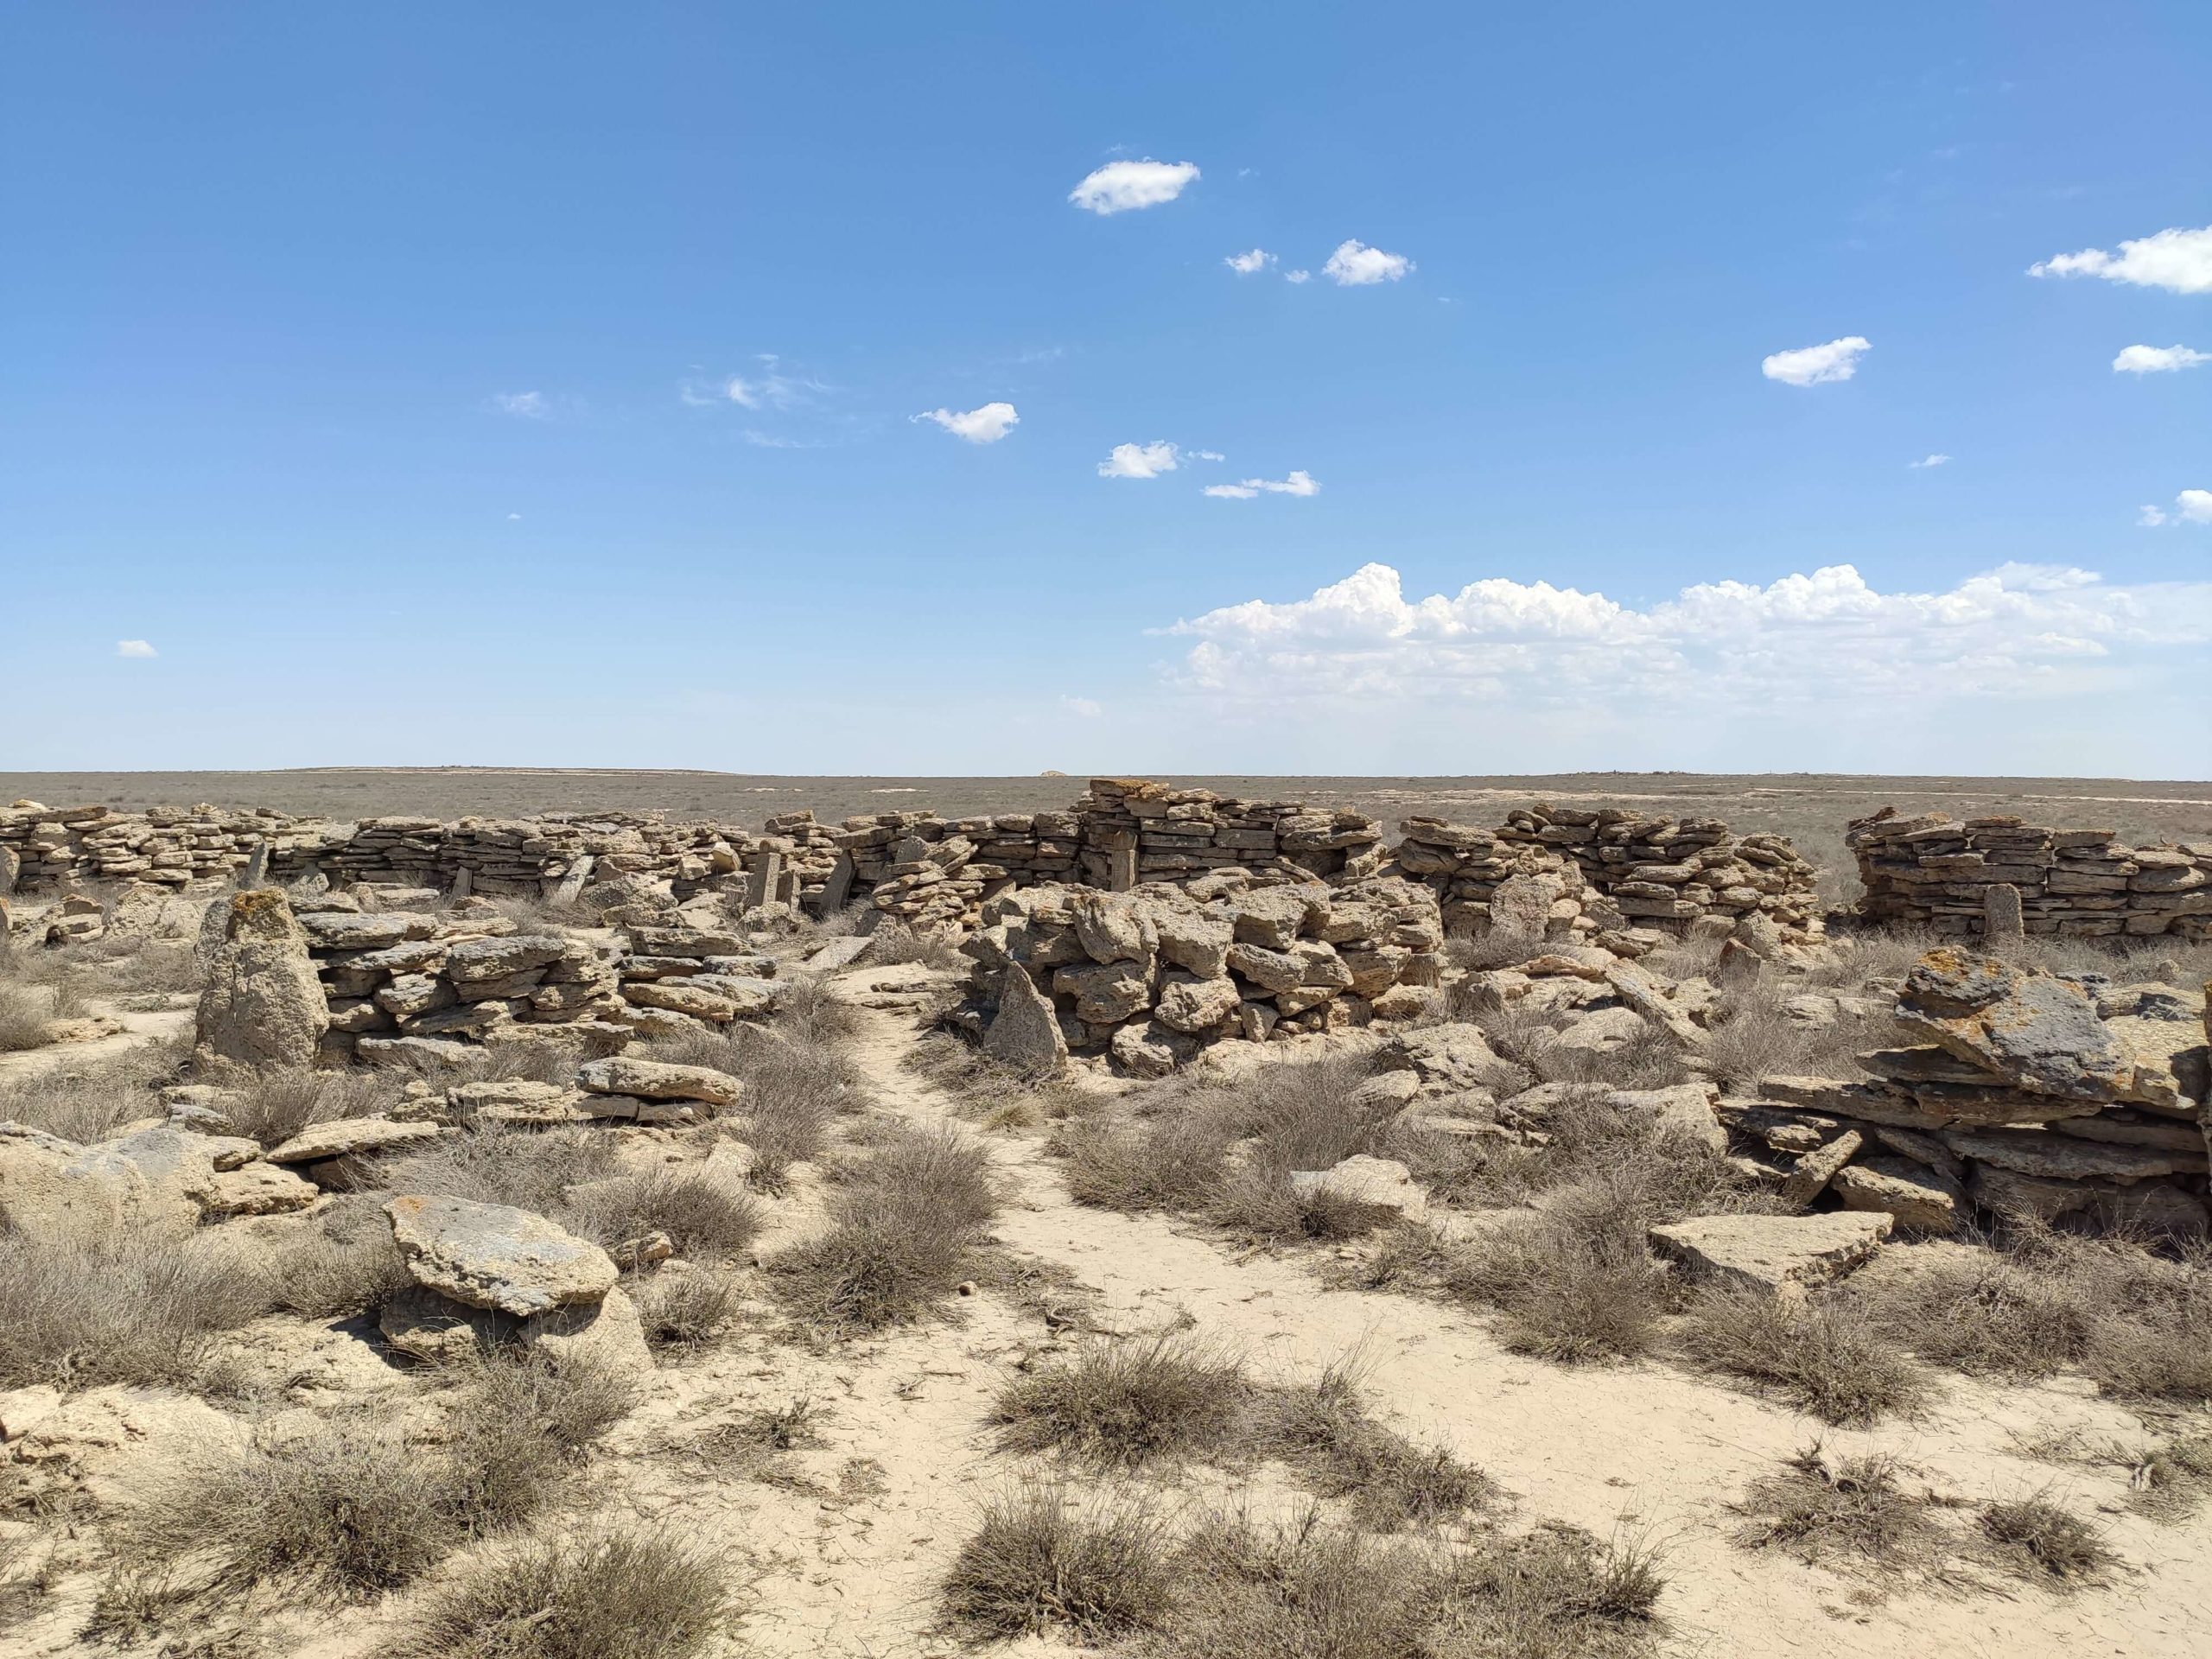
x: 373, y: 369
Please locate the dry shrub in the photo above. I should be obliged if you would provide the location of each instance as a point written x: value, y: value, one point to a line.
x: 608, y: 1594
x: 522, y: 1168
x: 1120, y: 1404
x: 697, y: 1213
x: 796, y: 1086
x: 1851, y: 1513
x: 1305, y: 1589
x: 1753, y: 1039
x: 1827, y: 1356
x: 27, y: 1018
x: 1043, y: 1559
x: 1002, y: 1095
x: 2041, y: 1301
x: 686, y: 1310
x: 1555, y: 1592
x: 1171, y: 1162
x: 518, y: 1424
x: 349, y: 1264
x: 1574, y: 1280
x: 905, y: 1227
x: 273, y: 1106
x: 79, y: 1309
x: 1322, y: 1430
x: 2172, y: 1479
x: 895, y: 945
x: 2037, y: 1539
x: 90, y: 1099
x: 810, y: 1011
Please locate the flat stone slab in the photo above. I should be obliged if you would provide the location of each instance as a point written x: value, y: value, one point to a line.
x: 2039, y: 1033
x: 345, y: 1137
x: 838, y: 953
x: 658, y: 1080
x: 1779, y: 1255
x: 494, y: 1256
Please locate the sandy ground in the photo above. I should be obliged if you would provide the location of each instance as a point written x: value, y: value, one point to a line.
x: 846, y: 1549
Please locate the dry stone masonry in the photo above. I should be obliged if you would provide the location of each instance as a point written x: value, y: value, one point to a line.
x: 1966, y: 878
x: 1671, y: 872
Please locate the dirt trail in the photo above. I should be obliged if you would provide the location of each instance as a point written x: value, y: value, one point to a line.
x: 1593, y: 1445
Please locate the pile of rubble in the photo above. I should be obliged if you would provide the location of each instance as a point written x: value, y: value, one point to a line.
x: 2054, y: 1096
x: 1152, y: 976
x: 1672, y: 872
x: 1999, y: 876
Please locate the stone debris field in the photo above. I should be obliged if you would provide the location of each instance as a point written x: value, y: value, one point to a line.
x: 1169, y: 1224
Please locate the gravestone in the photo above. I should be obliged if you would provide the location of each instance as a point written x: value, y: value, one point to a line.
x: 1121, y: 869
x: 256, y: 872
x: 2002, y: 920
x: 839, y: 888
x: 761, y: 885
x: 464, y: 883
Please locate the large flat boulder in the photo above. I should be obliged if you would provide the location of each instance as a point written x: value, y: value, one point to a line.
x: 2038, y: 1032
x: 1918, y: 1197
x: 1779, y: 1255
x: 346, y: 1137
x: 658, y: 1080
x: 492, y: 1255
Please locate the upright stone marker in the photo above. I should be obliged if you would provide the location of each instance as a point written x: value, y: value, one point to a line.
x: 464, y: 883
x: 761, y: 885
x: 571, y: 887
x: 1121, y: 869
x: 10, y: 867
x: 839, y: 888
x: 2002, y: 921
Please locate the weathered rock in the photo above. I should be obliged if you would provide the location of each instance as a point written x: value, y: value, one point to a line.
x: 494, y: 1256
x: 1269, y: 968
x: 1687, y: 1107
x: 424, y: 1325
x: 1642, y: 991
x: 1779, y: 1255
x: 1152, y: 1050
x: 2038, y: 1031
x: 264, y: 1004
x: 493, y: 959
x: 1272, y: 916
x: 1809, y: 1176
x: 1105, y: 994
x: 344, y: 1137
x: 1448, y: 1058
x: 1596, y: 1033
x: 608, y: 1335
x: 658, y: 1080
x: 1024, y: 1034
x: 1919, y: 1198
x: 1189, y: 1004
x: 1376, y: 1183
x: 1114, y: 927
x: 2067, y: 1158
x: 1192, y: 938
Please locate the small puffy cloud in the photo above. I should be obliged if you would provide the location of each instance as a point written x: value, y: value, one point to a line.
x: 1298, y: 276
x: 1354, y: 264
x: 2157, y: 359
x: 1207, y: 455
x: 1085, y: 708
x: 2149, y: 516
x: 985, y: 425
x: 1139, y: 461
x: 2176, y: 260
x: 1300, y: 482
x: 2190, y: 507
x: 1119, y: 187
x: 134, y: 648
x: 524, y: 405
x: 514, y: 518
x: 1244, y: 264
x: 1926, y: 461
x: 1815, y: 366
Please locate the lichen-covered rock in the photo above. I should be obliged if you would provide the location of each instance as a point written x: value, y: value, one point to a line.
x: 1192, y: 1005
x: 344, y: 1137
x: 494, y: 1256
x: 1024, y: 1034
x: 1152, y: 1050
x: 2035, y: 1031
x: 264, y: 1005
x: 1448, y: 1058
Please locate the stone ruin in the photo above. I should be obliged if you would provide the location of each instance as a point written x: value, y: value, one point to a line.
x: 2000, y: 876
x: 2054, y: 1096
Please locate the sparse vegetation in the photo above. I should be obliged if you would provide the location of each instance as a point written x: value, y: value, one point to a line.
x: 2037, y: 1539
x: 2174, y: 1478
x: 27, y: 1017
x: 685, y: 1310
x: 700, y: 1214
x: 347, y: 1265
x: 1849, y: 1513
x: 608, y: 1595
x: 1826, y: 1356
x: 1000, y: 1097
x: 1043, y: 1558
x: 798, y: 1084
x: 528, y: 1170
x: 1120, y: 1404
x: 82, y: 1308
x: 273, y: 1106
x: 1389, y: 1482
x: 905, y: 1226
x: 1574, y: 1281
x: 89, y: 1100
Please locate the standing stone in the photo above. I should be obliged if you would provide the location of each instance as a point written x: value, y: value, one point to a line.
x: 1521, y: 906
x: 2002, y: 921
x: 1121, y: 869
x: 571, y: 886
x: 11, y: 865
x: 263, y: 1006
x: 839, y: 888
x: 256, y: 874
x: 1024, y: 1034
x: 464, y: 883
x: 761, y: 885
x: 786, y: 889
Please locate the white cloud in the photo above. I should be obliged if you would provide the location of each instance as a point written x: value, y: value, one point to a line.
x: 1805, y: 641
x: 134, y: 648
x: 985, y: 425
x: 1139, y: 461
x: 1354, y: 264
x: 2150, y: 516
x: 1207, y: 455
x: 1087, y: 708
x: 524, y: 405
x: 513, y: 518
x: 1245, y: 264
x: 1298, y: 276
x: 2176, y: 260
x: 1120, y: 186
x: 1300, y: 482
x: 2157, y: 359
x: 1926, y: 461
x: 1815, y: 366
x: 2190, y: 507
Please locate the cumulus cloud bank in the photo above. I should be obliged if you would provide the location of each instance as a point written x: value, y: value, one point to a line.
x: 2176, y: 260
x: 1816, y: 365
x: 1120, y: 186
x: 2019, y: 631
x: 2190, y: 508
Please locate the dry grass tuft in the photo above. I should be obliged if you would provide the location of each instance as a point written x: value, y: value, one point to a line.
x: 522, y: 1168
x: 2173, y: 1479
x: 347, y: 1266
x: 606, y: 1595
x: 1043, y: 1560
x: 686, y: 1310
x: 1828, y: 1357
x: 1574, y: 1281
x: 271, y: 1106
x: 27, y: 1017
x: 1322, y: 1429
x: 1121, y: 1404
x: 89, y: 1100
x: 1851, y: 1513
x: 796, y: 1086
x: 699, y: 1213
x: 1555, y: 1592
x: 1305, y: 1588
x: 1002, y: 1096
x: 893, y: 944
x: 1170, y: 1162
x: 907, y: 1225
x: 2037, y: 1539
x: 81, y: 1310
